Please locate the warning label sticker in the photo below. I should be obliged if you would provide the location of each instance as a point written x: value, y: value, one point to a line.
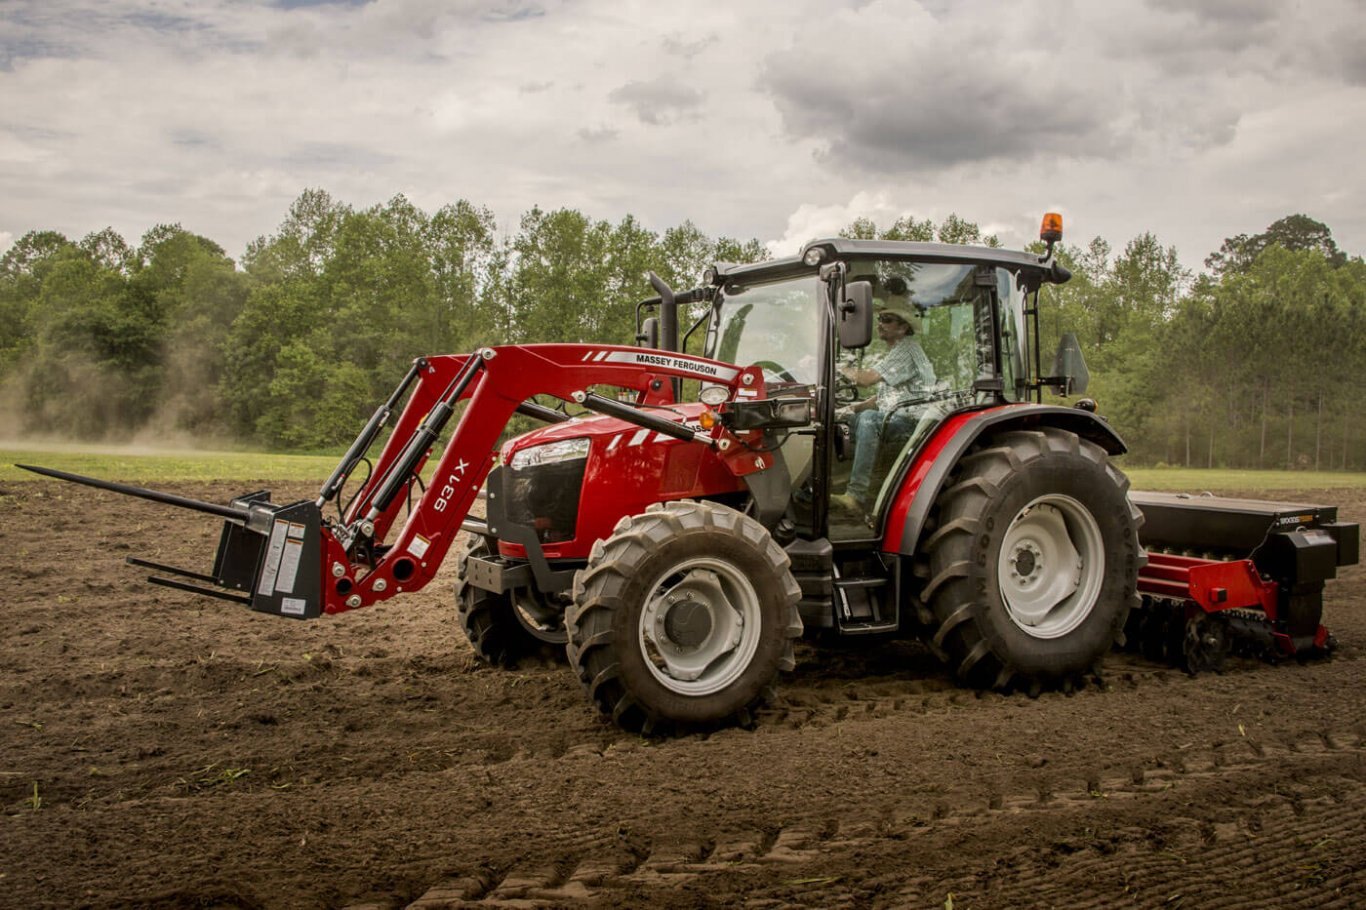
x: 274, y: 552
x: 293, y: 606
x: 289, y: 566
x: 419, y: 546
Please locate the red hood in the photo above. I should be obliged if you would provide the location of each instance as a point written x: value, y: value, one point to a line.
x: 628, y: 469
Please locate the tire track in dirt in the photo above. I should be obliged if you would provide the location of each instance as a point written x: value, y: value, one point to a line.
x: 1276, y: 847
x: 830, y: 699
x: 632, y: 869
x: 1279, y: 831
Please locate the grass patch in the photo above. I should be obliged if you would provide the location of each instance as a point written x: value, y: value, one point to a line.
x: 140, y: 466
x: 1196, y: 480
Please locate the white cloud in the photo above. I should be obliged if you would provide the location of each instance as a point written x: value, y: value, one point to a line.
x: 778, y: 119
x: 812, y: 222
x: 661, y: 101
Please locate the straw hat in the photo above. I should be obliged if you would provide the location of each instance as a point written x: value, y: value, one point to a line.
x: 899, y: 306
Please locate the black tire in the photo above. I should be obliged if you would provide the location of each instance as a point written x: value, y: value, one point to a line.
x: 997, y: 561
x: 694, y: 567
x: 499, y: 633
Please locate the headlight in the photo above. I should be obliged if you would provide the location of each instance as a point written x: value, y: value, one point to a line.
x: 550, y: 453
x: 714, y: 395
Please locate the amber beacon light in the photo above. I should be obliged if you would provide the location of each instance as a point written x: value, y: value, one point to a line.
x: 1051, y: 229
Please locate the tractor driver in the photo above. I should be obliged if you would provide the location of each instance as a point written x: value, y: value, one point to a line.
x: 898, y: 375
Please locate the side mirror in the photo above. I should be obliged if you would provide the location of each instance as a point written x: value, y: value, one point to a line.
x: 649, y: 332
x: 856, y: 315
x: 1070, y: 376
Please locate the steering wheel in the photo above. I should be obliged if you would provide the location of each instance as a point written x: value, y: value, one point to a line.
x: 769, y: 366
x: 846, y: 390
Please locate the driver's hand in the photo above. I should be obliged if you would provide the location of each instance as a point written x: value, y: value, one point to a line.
x: 844, y: 414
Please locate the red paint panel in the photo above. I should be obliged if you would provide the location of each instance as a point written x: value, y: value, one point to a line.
x: 1201, y: 580
x: 920, y: 469
x: 629, y: 468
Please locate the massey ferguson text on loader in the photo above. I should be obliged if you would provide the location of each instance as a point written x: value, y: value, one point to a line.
x: 704, y: 510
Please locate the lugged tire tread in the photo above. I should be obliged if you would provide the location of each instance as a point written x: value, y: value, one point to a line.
x: 947, y: 595
x: 598, y: 594
x: 493, y: 638
x: 957, y: 570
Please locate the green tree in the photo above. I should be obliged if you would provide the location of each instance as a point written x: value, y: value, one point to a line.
x: 189, y: 285
x: 954, y: 229
x: 23, y: 269
x: 92, y: 364
x: 363, y: 293
x: 559, y: 269
x: 1293, y: 232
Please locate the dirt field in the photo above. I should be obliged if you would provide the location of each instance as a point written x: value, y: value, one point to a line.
x: 158, y: 750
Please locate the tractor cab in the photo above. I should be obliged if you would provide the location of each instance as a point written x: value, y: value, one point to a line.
x: 946, y: 329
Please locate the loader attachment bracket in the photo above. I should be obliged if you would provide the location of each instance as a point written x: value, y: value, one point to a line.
x: 274, y: 572
x: 280, y: 569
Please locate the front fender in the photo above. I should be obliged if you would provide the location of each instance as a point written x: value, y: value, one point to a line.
x: 929, y: 470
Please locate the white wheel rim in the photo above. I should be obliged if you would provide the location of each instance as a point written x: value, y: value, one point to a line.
x: 700, y: 626
x: 1051, y: 566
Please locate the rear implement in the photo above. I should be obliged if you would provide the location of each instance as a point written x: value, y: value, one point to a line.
x: 1235, y: 574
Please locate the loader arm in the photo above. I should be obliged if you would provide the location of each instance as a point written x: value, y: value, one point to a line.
x: 360, y: 567
x: 288, y: 560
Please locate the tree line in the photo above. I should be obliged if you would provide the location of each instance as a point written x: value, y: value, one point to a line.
x: 291, y: 347
x: 1246, y: 365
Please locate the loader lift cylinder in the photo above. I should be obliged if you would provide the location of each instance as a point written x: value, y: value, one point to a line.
x: 424, y: 438
x: 541, y: 412
x: 642, y: 419
x: 367, y: 436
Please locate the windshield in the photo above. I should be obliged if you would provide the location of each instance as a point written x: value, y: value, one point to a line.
x: 776, y: 325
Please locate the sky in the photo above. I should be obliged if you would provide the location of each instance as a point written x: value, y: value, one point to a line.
x: 782, y: 120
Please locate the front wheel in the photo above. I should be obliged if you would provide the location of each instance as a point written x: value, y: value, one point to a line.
x: 503, y: 629
x: 1033, y: 561
x: 684, y: 616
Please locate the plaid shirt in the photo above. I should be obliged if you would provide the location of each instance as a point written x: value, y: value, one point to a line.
x: 905, y: 372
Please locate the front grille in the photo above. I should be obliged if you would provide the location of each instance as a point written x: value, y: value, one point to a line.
x: 545, y: 498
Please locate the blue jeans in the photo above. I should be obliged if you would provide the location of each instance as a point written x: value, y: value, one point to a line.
x: 869, y: 427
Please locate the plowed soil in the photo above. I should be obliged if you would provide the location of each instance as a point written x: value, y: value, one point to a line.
x: 161, y: 750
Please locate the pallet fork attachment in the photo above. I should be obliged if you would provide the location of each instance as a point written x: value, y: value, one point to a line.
x: 267, y: 554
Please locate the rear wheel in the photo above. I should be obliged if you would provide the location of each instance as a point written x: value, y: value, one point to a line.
x: 1033, y: 561
x: 685, y: 616
x: 503, y: 629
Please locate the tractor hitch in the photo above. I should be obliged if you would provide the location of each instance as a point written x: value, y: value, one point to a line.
x: 268, y: 555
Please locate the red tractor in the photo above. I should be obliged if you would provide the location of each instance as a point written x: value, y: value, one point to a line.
x: 703, y: 511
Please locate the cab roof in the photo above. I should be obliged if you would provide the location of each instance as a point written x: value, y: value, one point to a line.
x: 846, y: 248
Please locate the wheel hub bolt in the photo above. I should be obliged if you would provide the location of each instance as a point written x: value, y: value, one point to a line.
x: 1027, y: 562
